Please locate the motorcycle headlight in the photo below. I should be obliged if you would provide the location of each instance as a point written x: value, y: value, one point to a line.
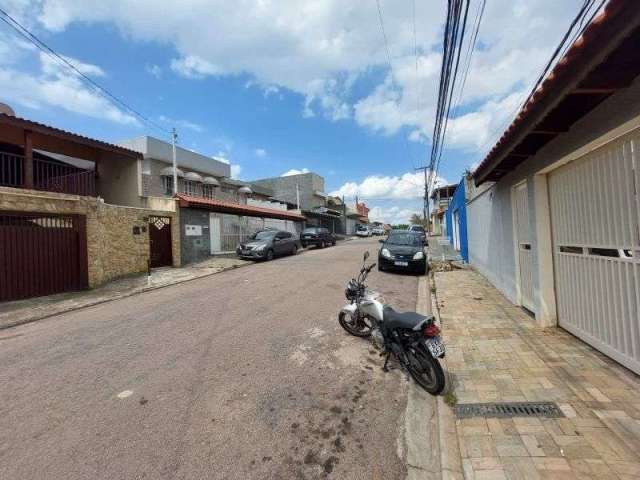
x: 386, y: 253
x: 418, y: 256
x: 260, y: 248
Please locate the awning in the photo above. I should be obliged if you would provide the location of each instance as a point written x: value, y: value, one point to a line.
x: 168, y: 172
x: 193, y: 176
x: 55, y: 140
x: 221, y: 206
x: 211, y: 181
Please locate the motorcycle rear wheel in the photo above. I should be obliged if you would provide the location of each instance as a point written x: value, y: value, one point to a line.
x: 357, y: 327
x: 430, y: 375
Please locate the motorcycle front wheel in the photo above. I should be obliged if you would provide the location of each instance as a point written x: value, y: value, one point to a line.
x: 429, y: 374
x: 354, y: 324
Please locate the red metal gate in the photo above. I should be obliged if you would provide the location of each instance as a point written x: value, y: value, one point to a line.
x: 41, y: 254
x: 160, y: 241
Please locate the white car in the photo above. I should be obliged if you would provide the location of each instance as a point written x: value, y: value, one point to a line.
x: 363, y: 231
x: 378, y: 231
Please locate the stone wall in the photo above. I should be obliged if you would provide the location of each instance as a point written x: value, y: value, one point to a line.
x: 113, y: 249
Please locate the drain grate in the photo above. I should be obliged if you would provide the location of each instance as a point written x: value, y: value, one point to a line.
x: 506, y: 410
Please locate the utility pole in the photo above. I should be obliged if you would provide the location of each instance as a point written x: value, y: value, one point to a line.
x: 425, y: 206
x: 174, y: 139
x: 297, y: 196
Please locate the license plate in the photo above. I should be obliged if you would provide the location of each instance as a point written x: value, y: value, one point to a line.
x: 435, y: 346
x: 246, y: 252
x: 401, y: 264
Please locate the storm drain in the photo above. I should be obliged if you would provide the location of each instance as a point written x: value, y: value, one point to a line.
x: 507, y: 410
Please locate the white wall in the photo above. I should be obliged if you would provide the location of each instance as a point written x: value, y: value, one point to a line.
x: 490, y: 239
x: 489, y: 217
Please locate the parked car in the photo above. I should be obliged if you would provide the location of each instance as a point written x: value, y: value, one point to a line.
x: 419, y: 229
x: 402, y: 250
x: 363, y: 231
x: 318, y: 236
x: 378, y: 231
x: 267, y: 244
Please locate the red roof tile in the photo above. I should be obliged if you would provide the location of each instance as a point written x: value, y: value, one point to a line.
x: 235, y: 208
x: 615, y: 13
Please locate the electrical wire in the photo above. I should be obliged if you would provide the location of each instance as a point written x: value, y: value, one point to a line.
x: 29, y: 36
x: 559, y: 52
x: 393, y: 83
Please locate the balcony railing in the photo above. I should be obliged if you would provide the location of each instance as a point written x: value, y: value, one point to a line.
x: 47, y: 176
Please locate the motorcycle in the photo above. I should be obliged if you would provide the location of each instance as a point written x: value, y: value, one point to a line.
x: 413, y: 339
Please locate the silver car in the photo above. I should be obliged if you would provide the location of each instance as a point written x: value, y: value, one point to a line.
x: 267, y: 244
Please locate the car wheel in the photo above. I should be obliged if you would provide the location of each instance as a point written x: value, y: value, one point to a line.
x: 334, y: 243
x: 269, y: 256
x: 294, y: 250
x: 322, y: 244
x: 380, y: 268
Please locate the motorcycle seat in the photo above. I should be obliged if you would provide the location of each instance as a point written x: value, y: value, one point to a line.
x: 408, y: 320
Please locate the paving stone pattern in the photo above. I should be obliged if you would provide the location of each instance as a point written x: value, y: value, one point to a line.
x: 496, y: 353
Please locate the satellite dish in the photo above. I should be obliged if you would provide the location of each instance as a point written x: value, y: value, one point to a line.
x: 7, y: 110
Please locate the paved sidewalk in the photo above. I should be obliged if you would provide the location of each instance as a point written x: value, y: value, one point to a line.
x: 442, y: 250
x: 29, y: 310
x: 496, y: 353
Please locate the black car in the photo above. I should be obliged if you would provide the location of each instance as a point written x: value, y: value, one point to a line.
x: 318, y: 236
x: 419, y: 229
x: 402, y: 250
x: 266, y: 244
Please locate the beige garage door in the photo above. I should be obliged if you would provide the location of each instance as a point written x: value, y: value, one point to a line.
x: 596, y: 241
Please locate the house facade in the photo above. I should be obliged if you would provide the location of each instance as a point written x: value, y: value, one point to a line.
x: 65, y: 221
x: 440, y: 199
x: 555, y: 221
x: 215, y: 212
x: 456, y: 218
x: 307, y: 192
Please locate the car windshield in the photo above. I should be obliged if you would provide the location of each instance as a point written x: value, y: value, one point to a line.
x: 263, y: 235
x: 310, y: 230
x: 417, y: 228
x: 362, y: 227
x: 404, y: 239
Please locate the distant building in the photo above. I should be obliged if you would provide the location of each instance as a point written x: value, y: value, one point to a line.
x: 440, y: 198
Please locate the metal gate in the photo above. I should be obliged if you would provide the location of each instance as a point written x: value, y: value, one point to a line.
x: 160, y: 251
x: 523, y: 244
x: 596, y: 246
x: 41, y: 254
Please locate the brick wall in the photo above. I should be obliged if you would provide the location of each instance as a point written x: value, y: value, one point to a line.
x: 112, y: 247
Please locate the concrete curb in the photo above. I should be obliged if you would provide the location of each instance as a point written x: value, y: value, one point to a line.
x: 24, y: 321
x: 450, y: 457
x: 421, y: 429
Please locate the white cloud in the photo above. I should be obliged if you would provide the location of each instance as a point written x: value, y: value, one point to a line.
x: 154, y: 70
x: 321, y: 49
x: 185, y: 124
x: 260, y: 152
x: 235, y: 170
x: 294, y: 171
x: 407, y: 186
x: 392, y: 215
x: 55, y: 85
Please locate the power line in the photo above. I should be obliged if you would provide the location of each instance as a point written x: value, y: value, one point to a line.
x: 29, y: 36
x: 393, y: 83
x: 562, y: 47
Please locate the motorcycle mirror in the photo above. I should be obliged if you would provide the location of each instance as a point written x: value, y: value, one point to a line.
x: 366, y: 255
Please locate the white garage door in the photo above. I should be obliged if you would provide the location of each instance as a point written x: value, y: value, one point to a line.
x: 595, y: 216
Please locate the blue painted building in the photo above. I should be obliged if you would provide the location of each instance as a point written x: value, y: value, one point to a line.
x: 456, y: 215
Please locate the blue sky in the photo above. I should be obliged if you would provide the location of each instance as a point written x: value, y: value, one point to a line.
x: 275, y: 86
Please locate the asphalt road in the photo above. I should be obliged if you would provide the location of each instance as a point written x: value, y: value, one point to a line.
x: 242, y: 375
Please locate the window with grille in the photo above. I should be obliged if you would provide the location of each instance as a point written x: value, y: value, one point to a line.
x: 189, y: 187
x: 167, y: 184
x: 208, y: 191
